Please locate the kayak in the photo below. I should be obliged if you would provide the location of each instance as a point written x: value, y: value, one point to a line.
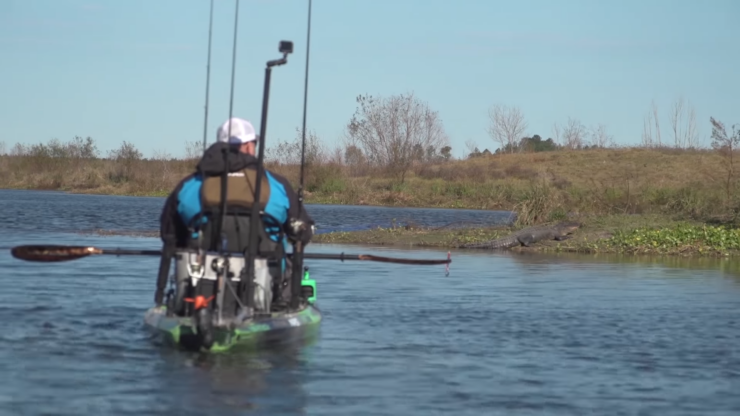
x: 267, y: 326
x: 252, y: 334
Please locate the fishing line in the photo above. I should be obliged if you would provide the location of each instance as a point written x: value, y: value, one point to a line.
x: 224, y: 177
x: 305, y: 104
x: 233, y: 65
x: 208, y: 77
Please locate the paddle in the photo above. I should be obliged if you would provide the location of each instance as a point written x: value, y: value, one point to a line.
x: 56, y: 253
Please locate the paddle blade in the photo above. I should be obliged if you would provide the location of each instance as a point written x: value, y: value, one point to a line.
x: 402, y: 261
x: 52, y: 253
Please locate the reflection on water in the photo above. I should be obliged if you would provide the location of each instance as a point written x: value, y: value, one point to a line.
x: 235, y: 382
x: 505, y: 334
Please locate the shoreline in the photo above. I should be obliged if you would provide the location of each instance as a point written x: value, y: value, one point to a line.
x: 322, y: 201
x: 618, y: 234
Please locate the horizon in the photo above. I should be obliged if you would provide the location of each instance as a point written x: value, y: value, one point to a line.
x: 123, y: 72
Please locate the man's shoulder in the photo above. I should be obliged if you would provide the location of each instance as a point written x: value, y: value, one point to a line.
x: 280, y: 179
x: 178, y: 188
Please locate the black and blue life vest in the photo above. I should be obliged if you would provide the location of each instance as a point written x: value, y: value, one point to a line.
x: 199, y: 204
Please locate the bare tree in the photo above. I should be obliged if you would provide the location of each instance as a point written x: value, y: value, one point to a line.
x: 471, y: 145
x: 126, y: 160
x: 658, y: 142
x: 335, y: 156
x: 353, y: 156
x: 692, y: 136
x: 163, y: 157
x: 574, y: 134
x: 473, y: 149
x: 683, y: 123
x: 726, y: 145
x: 193, y: 150
x: 19, y: 150
x: 556, y: 131
x: 507, y: 126
x: 676, y: 113
x: 647, y: 131
x: 388, y: 130
x: 2, y: 148
x: 600, y: 137
x: 289, y: 153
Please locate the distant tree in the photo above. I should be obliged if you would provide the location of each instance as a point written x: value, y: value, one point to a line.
x: 446, y: 152
x: 536, y: 144
x: 126, y: 158
x: 472, y: 148
x: 127, y: 152
x: 600, y: 138
x: 478, y: 153
x: 353, y: 156
x: 431, y: 154
x: 574, y: 134
x: 530, y: 144
x: 507, y: 126
x: 193, y: 149
x: 417, y: 153
x: 390, y: 130
x: 650, y: 137
x: 683, y: 124
x: 289, y: 152
x: 726, y: 144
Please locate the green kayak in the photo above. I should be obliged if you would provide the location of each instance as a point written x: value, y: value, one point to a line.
x: 191, y: 318
x: 277, y: 327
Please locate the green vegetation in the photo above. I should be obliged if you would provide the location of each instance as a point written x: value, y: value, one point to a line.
x: 397, y: 153
x: 691, y: 184
x: 682, y: 238
x: 613, y: 234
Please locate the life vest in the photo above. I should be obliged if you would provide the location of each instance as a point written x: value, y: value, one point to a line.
x: 236, y: 221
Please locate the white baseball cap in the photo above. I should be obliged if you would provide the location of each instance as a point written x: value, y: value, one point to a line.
x: 242, y: 131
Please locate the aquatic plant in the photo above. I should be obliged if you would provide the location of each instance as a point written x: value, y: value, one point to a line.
x: 678, y: 239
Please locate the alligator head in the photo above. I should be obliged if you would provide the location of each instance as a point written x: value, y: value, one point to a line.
x: 568, y: 227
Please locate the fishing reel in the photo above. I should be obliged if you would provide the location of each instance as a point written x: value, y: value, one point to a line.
x: 298, y: 227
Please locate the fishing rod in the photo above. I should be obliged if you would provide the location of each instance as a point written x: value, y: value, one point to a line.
x: 219, y: 243
x: 164, y: 265
x: 218, y: 237
x: 298, y: 246
x: 208, y: 78
x: 305, y: 105
x: 51, y: 253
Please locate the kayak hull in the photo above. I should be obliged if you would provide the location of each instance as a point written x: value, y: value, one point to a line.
x: 252, y: 334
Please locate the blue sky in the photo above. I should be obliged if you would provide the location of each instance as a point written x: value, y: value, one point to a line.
x: 135, y: 70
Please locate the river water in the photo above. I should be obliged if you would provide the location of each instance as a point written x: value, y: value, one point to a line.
x: 503, y: 334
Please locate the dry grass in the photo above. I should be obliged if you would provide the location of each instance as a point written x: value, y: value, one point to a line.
x: 540, y: 187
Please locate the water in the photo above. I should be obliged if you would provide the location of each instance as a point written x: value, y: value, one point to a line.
x: 504, y: 334
x: 58, y: 211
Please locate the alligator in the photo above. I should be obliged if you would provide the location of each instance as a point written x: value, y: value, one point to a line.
x: 530, y: 235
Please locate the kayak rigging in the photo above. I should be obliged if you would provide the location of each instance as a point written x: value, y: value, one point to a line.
x: 208, y: 78
x: 237, y: 286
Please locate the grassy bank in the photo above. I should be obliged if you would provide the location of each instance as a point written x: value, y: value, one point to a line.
x: 628, y: 234
x: 647, y: 234
x: 691, y: 184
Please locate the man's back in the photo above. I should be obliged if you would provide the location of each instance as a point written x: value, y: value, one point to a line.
x: 199, y: 195
x: 191, y: 211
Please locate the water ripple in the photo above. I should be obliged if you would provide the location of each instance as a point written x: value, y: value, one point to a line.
x: 502, y: 335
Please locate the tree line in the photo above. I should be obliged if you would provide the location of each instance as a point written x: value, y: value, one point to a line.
x: 393, y: 133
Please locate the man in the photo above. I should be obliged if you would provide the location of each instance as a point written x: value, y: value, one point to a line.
x: 191, y: 210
